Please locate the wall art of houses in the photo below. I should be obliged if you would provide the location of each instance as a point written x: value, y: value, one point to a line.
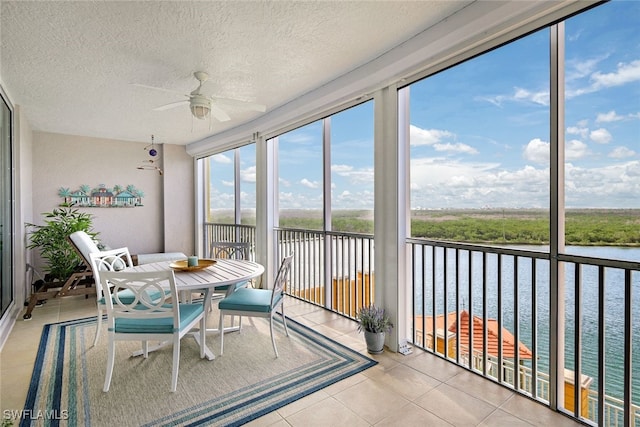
x: 102, y: 196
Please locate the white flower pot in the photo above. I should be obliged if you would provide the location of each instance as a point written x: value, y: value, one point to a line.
x: 375, y: 342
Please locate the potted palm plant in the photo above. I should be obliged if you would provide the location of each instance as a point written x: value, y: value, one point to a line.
x: 51, y: 239
x: 375, y: 323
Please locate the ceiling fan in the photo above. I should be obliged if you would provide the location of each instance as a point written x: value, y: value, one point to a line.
x: 202, y: 104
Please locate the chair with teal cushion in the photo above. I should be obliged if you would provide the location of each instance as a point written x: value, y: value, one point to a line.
x: 229, y: 250
x: 112, y: 260
x: 139, y: 317
x: 257, y: 303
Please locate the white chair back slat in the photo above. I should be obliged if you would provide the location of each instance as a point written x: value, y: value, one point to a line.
x: 139, y: 304
x: 230, y: 250
x: 102, y: 261
x: 281, y: 279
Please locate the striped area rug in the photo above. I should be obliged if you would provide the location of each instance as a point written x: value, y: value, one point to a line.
x: 243, y: 384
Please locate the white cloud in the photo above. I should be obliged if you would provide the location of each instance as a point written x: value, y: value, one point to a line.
x: 438, y: 183
x: 537, y: 151
x: 355, y: 176
x: 520, y: 95
x: 420, y: 136
x: 310, y: 184
x: 578, y: 130
x: 625, y: 73
x: 541, y: 98
x: 611, y: 116
x: 581, y: 128
x: 632, y: 169
x: 221, y: 158
x: 579, y: 69
x: 440, y: 140
x: 248, y: 174
x: 283, y: 182
x: 285, y: 197
x: 441, y: 183
x: 575, y: 149
x: 575, y: 36
x: 621, y: 153
x: 612, y: 185
x: 297, y: 137
x: 600, y: 136
x: 341, y: 169
x: 354, y: 200
x: 227, y: 183
x: 455, y: 148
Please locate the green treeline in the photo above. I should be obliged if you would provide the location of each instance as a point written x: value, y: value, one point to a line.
x: 582, y: 227
x: 597, y: 227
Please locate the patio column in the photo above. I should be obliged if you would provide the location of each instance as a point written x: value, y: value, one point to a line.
x: 391, y: 181
x: 266, y: 206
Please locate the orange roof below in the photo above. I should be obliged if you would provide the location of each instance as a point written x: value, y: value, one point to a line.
x: 508, y: 341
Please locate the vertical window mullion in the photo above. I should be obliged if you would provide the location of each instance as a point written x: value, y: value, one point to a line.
x: 326, y: 172
x: 236, y: 187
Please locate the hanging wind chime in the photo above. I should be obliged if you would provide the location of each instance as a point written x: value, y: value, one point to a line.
x: 151, y: 164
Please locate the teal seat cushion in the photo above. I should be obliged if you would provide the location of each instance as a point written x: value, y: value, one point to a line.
x: 236, y: 286
x: 188, y: 312
x: 126, y: 296
x: 248, y: 299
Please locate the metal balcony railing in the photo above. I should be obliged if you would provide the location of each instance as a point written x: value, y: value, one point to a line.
x: 497, y: 301
x: 330, y: 269
x: 214, y: 232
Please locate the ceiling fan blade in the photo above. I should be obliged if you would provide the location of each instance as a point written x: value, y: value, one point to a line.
x: 241, y: 104
x: 220, y: 115
x: 158, y: 88
x: 171, y: 105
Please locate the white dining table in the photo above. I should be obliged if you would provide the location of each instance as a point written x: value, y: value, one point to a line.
x: 224, y: 272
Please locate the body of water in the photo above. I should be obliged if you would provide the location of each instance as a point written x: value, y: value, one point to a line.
x: 535, y: 296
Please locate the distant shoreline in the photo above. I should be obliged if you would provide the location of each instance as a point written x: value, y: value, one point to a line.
x: 583, y: 226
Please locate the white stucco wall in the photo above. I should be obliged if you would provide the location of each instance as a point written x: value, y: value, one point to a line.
x: 70, y: 161
x: 46, y: 161
x: 179, y: 200
x: 24, y: 206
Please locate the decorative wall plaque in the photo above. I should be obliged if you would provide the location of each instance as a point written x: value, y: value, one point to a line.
x: 102, y: 196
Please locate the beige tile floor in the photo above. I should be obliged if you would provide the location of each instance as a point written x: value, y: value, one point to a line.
x: 414, y: 390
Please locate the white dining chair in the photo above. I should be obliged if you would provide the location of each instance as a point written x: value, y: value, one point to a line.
x: 146, y: 319
x: 229, y: 250
x: 111, y: 260
x: 253, y: 302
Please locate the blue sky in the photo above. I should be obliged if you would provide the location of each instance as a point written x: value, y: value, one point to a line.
x: 480, y: 130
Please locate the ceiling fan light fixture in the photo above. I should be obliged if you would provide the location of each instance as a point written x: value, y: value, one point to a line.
x: 200, y: 108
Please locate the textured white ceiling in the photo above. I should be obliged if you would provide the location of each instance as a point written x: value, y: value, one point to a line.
x: 70, y: 65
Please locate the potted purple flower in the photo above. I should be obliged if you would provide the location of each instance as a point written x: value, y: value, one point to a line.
x: 375, y: 324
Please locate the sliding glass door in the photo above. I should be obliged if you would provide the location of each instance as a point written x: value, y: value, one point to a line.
x: 6, y: 198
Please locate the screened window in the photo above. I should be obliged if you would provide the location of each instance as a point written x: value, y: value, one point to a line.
x: 325, y: 171
x: 479, y: 135
x: 221, y: 195
x: 352, y: 170
x: 300, y: 178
